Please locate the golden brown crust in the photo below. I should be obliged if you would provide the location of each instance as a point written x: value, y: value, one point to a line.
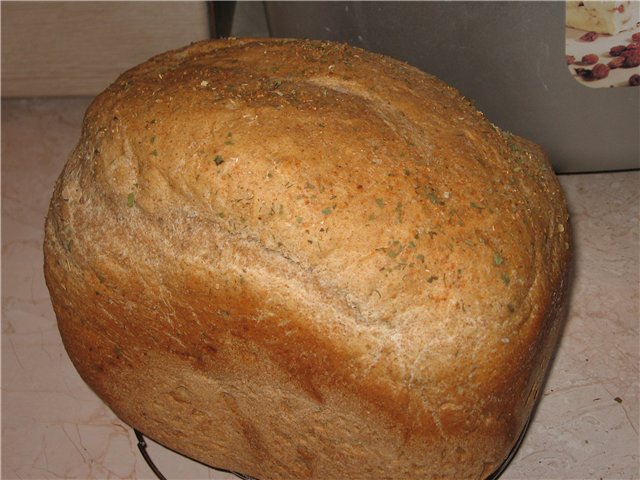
x: 301, y: 259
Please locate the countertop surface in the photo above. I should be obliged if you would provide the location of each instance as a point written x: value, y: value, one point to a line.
x: 53, y: 425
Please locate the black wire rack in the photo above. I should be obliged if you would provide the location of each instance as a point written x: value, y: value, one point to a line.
x: 142, y: 446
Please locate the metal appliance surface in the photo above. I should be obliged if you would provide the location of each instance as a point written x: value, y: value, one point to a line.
x: 507, y: 56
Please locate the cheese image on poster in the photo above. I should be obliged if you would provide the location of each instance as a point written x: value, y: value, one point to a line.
x: 603, y: 16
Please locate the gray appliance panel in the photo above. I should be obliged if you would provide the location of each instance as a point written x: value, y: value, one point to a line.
x: 507, y: 57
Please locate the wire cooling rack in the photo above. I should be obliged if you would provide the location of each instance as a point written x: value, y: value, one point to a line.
x: 142, y: 446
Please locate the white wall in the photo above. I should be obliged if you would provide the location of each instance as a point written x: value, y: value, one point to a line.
x: 79, y: 48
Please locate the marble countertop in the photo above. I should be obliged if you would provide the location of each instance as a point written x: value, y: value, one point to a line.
x: 53, y: 426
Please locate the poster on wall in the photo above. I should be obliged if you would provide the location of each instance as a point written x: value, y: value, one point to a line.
x: 603, y: 42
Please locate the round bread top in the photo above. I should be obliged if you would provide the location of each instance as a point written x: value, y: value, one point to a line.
x: 380, y: 187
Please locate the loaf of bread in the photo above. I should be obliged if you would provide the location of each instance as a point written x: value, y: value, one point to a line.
x: 301, y: 260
